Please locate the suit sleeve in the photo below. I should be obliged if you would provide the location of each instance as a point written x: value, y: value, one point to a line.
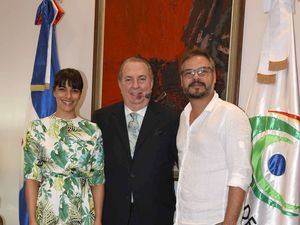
x: 97, y: 168
x: 31, y: 148
x: 174, y: 128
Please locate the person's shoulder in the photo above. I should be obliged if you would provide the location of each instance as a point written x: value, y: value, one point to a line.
x: 109, y: 108
x: 164, y: 110
x: 44, y: 120
x: 106, y: 111
x: 38, y: 123
x: 231, y: 109
x: 85, y: 121
x: 87, y: 124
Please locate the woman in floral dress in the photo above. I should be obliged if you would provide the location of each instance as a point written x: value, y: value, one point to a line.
x: 63, y: 162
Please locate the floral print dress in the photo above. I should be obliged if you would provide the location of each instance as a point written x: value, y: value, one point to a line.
x: 66, y: 157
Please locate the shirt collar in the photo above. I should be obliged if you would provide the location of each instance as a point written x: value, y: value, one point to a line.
x: 141, y: 112
x: 213, y: 102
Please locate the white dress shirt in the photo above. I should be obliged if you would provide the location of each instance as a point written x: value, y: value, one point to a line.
x: 214, y: 153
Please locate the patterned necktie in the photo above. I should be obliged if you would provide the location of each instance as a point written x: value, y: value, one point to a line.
x: 133, y: 131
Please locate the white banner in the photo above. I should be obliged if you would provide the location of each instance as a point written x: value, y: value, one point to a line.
x: 273, y: 108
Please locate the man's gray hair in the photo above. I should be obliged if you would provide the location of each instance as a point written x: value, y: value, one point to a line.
x: 135, y: 59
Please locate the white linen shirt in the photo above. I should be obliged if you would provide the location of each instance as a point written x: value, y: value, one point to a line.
x: 214, y: 153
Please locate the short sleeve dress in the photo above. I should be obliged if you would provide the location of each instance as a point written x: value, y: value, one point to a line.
x: 66, y: 157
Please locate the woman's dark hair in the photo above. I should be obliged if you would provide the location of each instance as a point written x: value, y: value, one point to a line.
x: 70, y: 76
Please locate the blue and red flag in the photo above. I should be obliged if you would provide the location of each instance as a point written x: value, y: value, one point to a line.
x: 46, y: 65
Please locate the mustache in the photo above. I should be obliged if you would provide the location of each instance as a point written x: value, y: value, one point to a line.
x: 197, y: 82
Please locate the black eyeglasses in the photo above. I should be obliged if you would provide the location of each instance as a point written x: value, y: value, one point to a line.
x: 202, y: 71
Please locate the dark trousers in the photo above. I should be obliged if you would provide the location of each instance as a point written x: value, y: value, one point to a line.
x: 133, y: 220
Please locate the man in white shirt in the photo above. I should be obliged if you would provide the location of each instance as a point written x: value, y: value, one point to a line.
x: 214, y: 144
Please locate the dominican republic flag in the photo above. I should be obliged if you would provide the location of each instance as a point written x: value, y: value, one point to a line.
x: 45, y: 67
x: 273, y: 108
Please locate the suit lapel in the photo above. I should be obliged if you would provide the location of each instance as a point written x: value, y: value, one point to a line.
x: 119, y: 121
x: 150, y: 122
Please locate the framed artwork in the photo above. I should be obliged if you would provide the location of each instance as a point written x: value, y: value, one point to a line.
x: 160, y: 31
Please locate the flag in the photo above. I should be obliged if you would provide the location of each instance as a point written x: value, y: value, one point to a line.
x: 273, y: 108
x: 45, y: 67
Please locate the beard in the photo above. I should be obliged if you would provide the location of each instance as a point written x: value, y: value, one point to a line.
x: 197, y: 94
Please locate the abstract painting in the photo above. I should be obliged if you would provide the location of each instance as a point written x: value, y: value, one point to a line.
x: 160, y: 31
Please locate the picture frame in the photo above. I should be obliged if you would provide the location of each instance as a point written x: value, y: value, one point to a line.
x: 234, y: 61
x: 236, y: 44
x: 98, y: 55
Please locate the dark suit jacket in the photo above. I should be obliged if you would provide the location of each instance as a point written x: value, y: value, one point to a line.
x: 148, y: 175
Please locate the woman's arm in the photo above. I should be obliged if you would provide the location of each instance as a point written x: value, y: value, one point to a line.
x: 98, y: 197
x: 31, y: 193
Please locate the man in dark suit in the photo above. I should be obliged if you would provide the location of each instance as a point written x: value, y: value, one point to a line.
x: 139, y: 187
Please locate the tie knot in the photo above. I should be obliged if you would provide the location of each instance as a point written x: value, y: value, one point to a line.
x: 134, y: 116
x: 133, y: 124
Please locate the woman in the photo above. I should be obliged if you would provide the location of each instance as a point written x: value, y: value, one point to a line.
x: 63, y: 161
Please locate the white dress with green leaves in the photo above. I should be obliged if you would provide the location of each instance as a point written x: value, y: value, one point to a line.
x: 66, y: 157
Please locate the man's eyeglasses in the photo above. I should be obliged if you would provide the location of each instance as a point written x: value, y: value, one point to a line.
x: 202, y: 71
